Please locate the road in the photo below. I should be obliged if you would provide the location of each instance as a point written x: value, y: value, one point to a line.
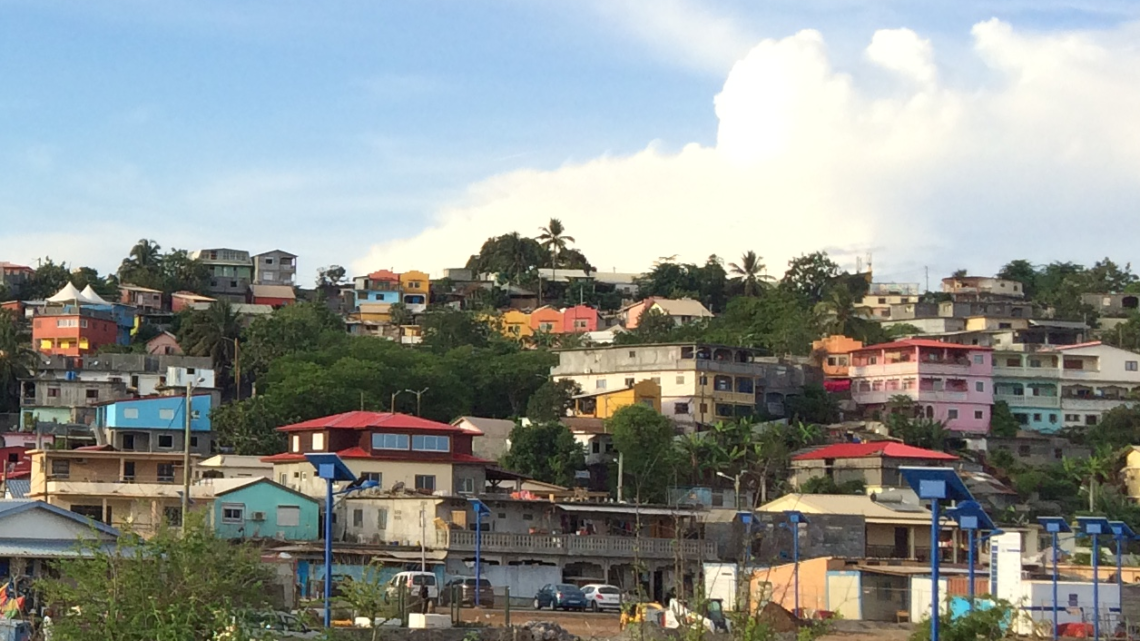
x: 584, y: 624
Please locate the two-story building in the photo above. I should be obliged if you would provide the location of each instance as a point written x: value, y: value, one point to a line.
x: 679, y: 310
x: 876, y: 464
x: 144, y: 299
x: 415, y: 291
x: 275, y: 268
x: 981, y: 288
x: 571, y: 320
x: 948, y: 382
x: 394, y: 450
x: 700, y: 383
x: 877, y: 302
x: 156, y: 424
x: 833, y: 355
x: 605, y: 403
x: 231, y: 272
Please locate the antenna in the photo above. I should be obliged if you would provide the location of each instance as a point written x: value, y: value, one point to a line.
x: 858, y: 264
x: 870, y: 270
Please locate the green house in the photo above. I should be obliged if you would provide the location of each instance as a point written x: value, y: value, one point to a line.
x: 258, y: 508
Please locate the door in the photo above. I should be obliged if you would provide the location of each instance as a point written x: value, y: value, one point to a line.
x: 902, y: 543
x: 128, y: 470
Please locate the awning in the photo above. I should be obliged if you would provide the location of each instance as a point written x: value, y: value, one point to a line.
x: 47, y: 549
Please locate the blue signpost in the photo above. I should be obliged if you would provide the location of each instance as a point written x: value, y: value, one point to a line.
x: 971, y: 517
x: 331, y: 469
x: 481, y: 510
x: 935, y: 484
x: 794, y: 520
x: 1054, y: 525
x: 1094, y: 527
x: 1122, y: 533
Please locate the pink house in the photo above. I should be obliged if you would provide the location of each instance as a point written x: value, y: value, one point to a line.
x: 546, y: 319
x: 578, y: 319
x: 949, y: 383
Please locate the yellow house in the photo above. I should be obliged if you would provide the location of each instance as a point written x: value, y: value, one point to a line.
x: 604, y: 404
x: 415, y: 290
x: 515, y: 324
x: 1131, y: 472
x: 374, y: 313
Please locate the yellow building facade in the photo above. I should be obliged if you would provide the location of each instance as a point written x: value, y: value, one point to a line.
x: 604, y: 404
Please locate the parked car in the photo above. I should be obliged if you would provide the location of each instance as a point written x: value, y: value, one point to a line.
x: 463, y: 588
x: 560, y: 596
x: 602, y: 597
x: 413, y: 584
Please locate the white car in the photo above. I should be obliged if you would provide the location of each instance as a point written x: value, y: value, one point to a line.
x: 413, y: 583
x: 600, y: 596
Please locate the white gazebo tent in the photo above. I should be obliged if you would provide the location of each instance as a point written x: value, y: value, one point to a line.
x: 90, y: 297
x: 69, y: 294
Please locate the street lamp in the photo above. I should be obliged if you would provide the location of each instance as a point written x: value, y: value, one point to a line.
x: 331, y: 469
x: 418, y: 395
x: 1121, y: 532
x: 1094, y: 527
x: 735, y: 486
x: 1054, y: 525
x: 794, y: 519
x: 480, y: 509
x: 935, y: 484
x: 392, y: 409
x: 971, y: 517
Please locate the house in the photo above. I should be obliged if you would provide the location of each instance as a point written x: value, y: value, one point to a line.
x: 625, y: 283
x: 494, y: 435
x: 1030, y: 448
x: 14, y: 277
x: 35, y: 535
x: 947, y: 382
x: 156, y: 424
x: 579, y: 319
x: 981, y: 288
x: 188, y: 300
x: 876, y: 464
x: 515, y: 324
x: 381, y: 286
x: 1130, y: 474
x: 1051, y: 387
x: 164, y: 343
x: 880, y: 297
x: 833, y: 355
x: 275, y: 268
x: 139, y: 491
x: 1112, y: 305
x: 680, y: 310
x: 226, y: 466
x: 275, y: 296
x: 73, y: 331
x: 415, y: 291
x: 390, y: 449
x: 231, y: 272
x: 603, y: 404
x: 700, y: 383
x: 546, y: 320
x: 258, y: 508
x: 144, y: 299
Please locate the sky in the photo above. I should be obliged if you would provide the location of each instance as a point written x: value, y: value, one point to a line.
x: 929, y: 135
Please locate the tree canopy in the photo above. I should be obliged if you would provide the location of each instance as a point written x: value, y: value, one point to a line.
x: 545, y: 451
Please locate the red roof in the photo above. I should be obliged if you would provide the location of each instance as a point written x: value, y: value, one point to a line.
x: 383, y: 275
x: 369, y: 420
x: 919, y: 342
x: 886, y: 449
x: 1079, y: 345
x: 360, y: 453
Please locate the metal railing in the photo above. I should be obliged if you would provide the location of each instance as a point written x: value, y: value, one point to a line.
x: 891, y: 552
x: 573, y: 544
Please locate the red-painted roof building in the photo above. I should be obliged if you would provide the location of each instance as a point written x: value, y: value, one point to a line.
x: 875, y: 464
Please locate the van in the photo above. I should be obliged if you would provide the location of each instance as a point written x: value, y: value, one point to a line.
x: 412, y: 583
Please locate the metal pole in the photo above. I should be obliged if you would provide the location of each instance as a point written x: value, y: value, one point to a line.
x: 970, y: 556
x: 796, y: 568
x: 186, y: 457
x: 328, y: 552
x: 1055, y: 624
x: 1096, y: 586
x: 478, y: 548
x: 1120, y: 575
x: 423, y: 542
x: 934, y: 570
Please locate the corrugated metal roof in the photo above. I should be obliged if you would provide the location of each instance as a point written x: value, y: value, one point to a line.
x: 856, y: 504
x: 19, y: 488
x: 358, y: 420
x: 920, y: 342
x: 885, y: 449
x: 27, y: 548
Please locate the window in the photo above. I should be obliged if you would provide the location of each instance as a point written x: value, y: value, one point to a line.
x: 979, y: 359
x: 1037, y: 418
x: 1130, y: 366
x: 233, y: 512
x: 165, y: 441
x: 656, y: 379
x: 629, y: 382
x: 193, y: 441
x: 1059, y: 454
x: 1035, y: 362
x: 389, y: 441
x: 1090, y: 419
x: 723, y: 409
x: 979, y: 415
x: 431, y: 443
x: 632, y: 354
x: 318, y: 441
x: 1013, y: 362
x: 268, y: 261
x: 1005, y: 325
x: 1074, y: 363
x: 1023, y: 450
x: 680, y: 408
x: 358, y: 517
x: 166, y: 414
x: 1072, y: 418
x: 704, y: 408
x: 131, y: 412
x: 680, y: 380
x: 373, y: 476
x: 952, y: 413
x: 465, y: 486
x: 382, y: 518
x: 60, y: 468
x: 53, y: 392
x: 296, y: 443
x: 165, y: 472
x: 722, y: 383
x: 600, y: 383
x: 172, y: 516
x: 425, y: 482
x: 92, y: 393
x: 882, y: 301
x: 1053, y: 418
x: 284, y: 478
x: 979, y: 386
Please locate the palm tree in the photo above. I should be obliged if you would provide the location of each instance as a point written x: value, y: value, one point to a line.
x: 16, y: 360
x: 839, y: 309
x: 143, y: 265
x: 212, y: 332
x: 554, y: 239
x: 750, y: 273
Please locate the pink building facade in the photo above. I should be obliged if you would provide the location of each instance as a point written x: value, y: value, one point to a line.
x: 949, y: 383
x: 578, y: 319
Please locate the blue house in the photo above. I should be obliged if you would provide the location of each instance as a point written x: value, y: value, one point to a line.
x: 156, y: 423
x: 258, y: 508
x: 381, y: 286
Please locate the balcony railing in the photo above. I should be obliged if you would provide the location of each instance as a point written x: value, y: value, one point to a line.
x: 891, y: 552
x: 577, y: 545
x: 1022, y: 400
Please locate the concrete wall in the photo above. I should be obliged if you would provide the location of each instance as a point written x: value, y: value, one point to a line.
x: 778, y: 583
x: 827, y: 535
x: 300, y: 476
x: 267, y: 499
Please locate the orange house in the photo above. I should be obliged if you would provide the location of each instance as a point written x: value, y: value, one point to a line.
x: 579, y: 318
x: 834, y: 356
x: 71, y: 333
x: 546, y: 319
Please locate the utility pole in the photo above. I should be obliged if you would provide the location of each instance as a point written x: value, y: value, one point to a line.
x: 418, y: 394
x: 237, y: 369
x: 186, y: 454
x: 621, y: 474
x: 423, y: 537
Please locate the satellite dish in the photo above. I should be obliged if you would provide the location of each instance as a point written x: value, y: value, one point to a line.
x: 398, y: 487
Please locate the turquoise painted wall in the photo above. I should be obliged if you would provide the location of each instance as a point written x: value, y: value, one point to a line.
x: 265, y: 497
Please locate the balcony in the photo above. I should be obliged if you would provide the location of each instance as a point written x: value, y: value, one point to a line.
x: 891, y: 552
x: 625, y: 547
x: 1022, y: 400
x: 919, y: 396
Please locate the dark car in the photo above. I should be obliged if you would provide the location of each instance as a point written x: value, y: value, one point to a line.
x: 560, y: 595
x: 462, y: 588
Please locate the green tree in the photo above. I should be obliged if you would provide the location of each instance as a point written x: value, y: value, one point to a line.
x: 814, y: 405
x: 809, y: 276
x: 1002, y: 422
x: 293, y: 328
x: 546, y: 452
x: 143, y: 265
x: 446, y: 329
x: 1022, y: 271
x: 512, y: 257
x: 827, y: 485
x: 554, y: 240
x: 182, y: 273
x: 48, y: 278
x: 212, y: 332
x: 749, y: 273
x: 250, y: 427
x: 368, y: 596
x: 399, y: 314
x: 903, y: 422
x: 17, y: 360
x: 1117, y: 428
x: 840, y: 311
x: 1125, y: 335
x: 551, y: 401
x: 186, y: 585
x: 644, y: 439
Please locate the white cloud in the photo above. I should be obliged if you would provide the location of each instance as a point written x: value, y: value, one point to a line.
x: 1039, y: 157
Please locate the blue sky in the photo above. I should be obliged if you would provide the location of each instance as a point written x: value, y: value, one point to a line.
x: 341, y: 130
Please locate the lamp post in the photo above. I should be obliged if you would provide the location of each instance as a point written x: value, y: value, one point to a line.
x: 1054, y: 525
x: 190, y: 385
x: 971, y: 517
x: 392, y: 409
x: 794, y: 520
x: 331, y: 469
x: 935, y: 484
x: 418, y: 395
x: 480, y: 509
x: 1121, y: 532
x: 735, y: 487
x: 1093, y: 527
